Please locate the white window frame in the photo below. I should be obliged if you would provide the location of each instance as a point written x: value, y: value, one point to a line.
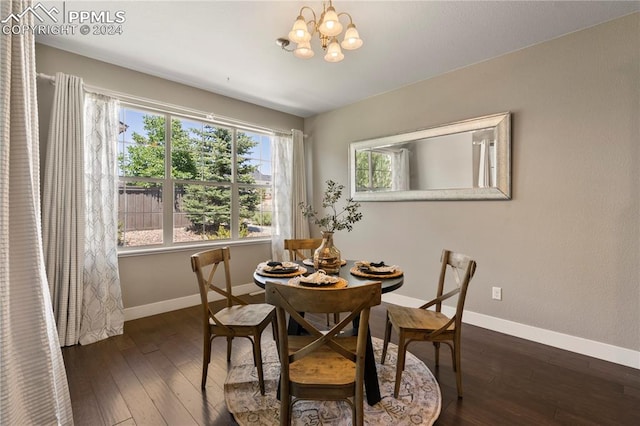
x: 168, y: 186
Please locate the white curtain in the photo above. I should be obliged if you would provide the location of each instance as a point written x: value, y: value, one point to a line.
x: 400, y: 173
x: 299, y: 223
x: 33, y: 382
x: 80, y: 214
x: 63, y: 206
x: 289, y: 190
x: 102, y: 310
x: 484, y: 165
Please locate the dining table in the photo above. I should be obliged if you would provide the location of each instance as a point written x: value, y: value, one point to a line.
x: 388, y: 283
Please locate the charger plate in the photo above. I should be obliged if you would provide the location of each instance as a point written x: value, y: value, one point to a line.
x: 301, y: 270
x: 342, y: 283
x: 358, y: 273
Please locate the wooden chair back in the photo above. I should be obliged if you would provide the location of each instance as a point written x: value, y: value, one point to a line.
x: 205, y: 265
x: 456, y: 271
x: 325, y: 365
x: 300, y: 249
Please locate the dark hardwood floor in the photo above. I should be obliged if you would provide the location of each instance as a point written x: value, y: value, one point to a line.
x: 151, y: 376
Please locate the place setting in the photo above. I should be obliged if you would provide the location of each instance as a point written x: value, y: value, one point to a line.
x: 378, y: 270
x: 319, y: 279
x: 280, y: 269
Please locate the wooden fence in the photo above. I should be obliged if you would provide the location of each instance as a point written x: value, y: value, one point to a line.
x: 140, y: 208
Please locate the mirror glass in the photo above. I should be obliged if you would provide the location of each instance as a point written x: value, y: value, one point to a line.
x: 464, y: 160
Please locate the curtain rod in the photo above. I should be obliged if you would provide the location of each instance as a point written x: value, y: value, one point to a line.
x: 150, y: 103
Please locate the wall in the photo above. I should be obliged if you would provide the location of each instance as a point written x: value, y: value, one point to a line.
x: 157, y: 278
x: 565, y: 249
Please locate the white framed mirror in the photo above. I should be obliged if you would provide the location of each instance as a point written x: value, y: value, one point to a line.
x: 465, y: 160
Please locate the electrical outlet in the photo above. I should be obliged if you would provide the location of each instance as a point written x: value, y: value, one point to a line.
x: 496, y: 293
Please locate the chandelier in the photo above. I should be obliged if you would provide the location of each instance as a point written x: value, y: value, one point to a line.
x: 327, y: 28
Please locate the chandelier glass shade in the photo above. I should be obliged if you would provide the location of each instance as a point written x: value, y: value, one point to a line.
x: 303, y: 50
x: 328, y: 27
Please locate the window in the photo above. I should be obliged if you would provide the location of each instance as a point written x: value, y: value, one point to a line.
x: 183, y: 180
x: 373, y: 170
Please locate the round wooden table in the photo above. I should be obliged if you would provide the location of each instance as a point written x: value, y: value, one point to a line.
x: 371, y: 384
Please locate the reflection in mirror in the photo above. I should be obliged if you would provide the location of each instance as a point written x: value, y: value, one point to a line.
x: 464, y: 160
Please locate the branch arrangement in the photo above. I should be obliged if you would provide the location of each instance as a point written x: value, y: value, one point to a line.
x: 335, y: 220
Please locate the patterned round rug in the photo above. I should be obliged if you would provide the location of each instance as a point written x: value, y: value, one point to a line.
x: 418, y: 403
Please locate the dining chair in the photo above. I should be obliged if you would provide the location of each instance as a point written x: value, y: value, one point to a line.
x: 303, y: 248
x: 324, y: 365
x: 237, y: 319
x: 421, y: 324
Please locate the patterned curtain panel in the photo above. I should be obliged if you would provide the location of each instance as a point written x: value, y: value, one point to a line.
x: 102, y: 311
x: 282, y: 160
x: 33, y: 381
x: 63, y: 206
x: 80, y: 214
x: 289, y: 190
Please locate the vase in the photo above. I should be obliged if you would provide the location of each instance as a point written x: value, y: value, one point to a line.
x: 327, y: 256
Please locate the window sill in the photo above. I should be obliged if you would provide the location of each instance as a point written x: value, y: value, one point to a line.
x: 188, y: 247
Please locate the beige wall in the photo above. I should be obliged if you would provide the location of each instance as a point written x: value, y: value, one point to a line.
x: 152, y: 278
x: 565, y: 249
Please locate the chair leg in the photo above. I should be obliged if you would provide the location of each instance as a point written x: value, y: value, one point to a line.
x: 436, y: 347
x: 274, y: 330
x: 358, y: 406
x: 453, y: 356
x: 402, y: 349
x: 257, y: 357
x: 387, y: 336
x: 206, y: 358
x: 456, y: 367
x: 229, y: 341
x: 285, y: 405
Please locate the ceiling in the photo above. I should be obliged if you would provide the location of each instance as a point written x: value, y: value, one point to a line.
x: 228, y: 47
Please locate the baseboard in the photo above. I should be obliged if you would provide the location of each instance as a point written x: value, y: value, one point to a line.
x: 180, y: 303
x: 604, y: 351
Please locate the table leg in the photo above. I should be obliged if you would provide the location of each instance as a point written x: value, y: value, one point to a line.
x: 371, y: 384
x: 295, y: 329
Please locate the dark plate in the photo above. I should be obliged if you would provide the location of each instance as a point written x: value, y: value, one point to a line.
x: 281, y: 271
x: 304, y: 284
x: 369, y: 271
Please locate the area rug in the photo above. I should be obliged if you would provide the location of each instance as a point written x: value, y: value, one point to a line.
x: 418, y: 403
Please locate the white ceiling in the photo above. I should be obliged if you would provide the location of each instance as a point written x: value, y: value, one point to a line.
x: 228, y: 47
